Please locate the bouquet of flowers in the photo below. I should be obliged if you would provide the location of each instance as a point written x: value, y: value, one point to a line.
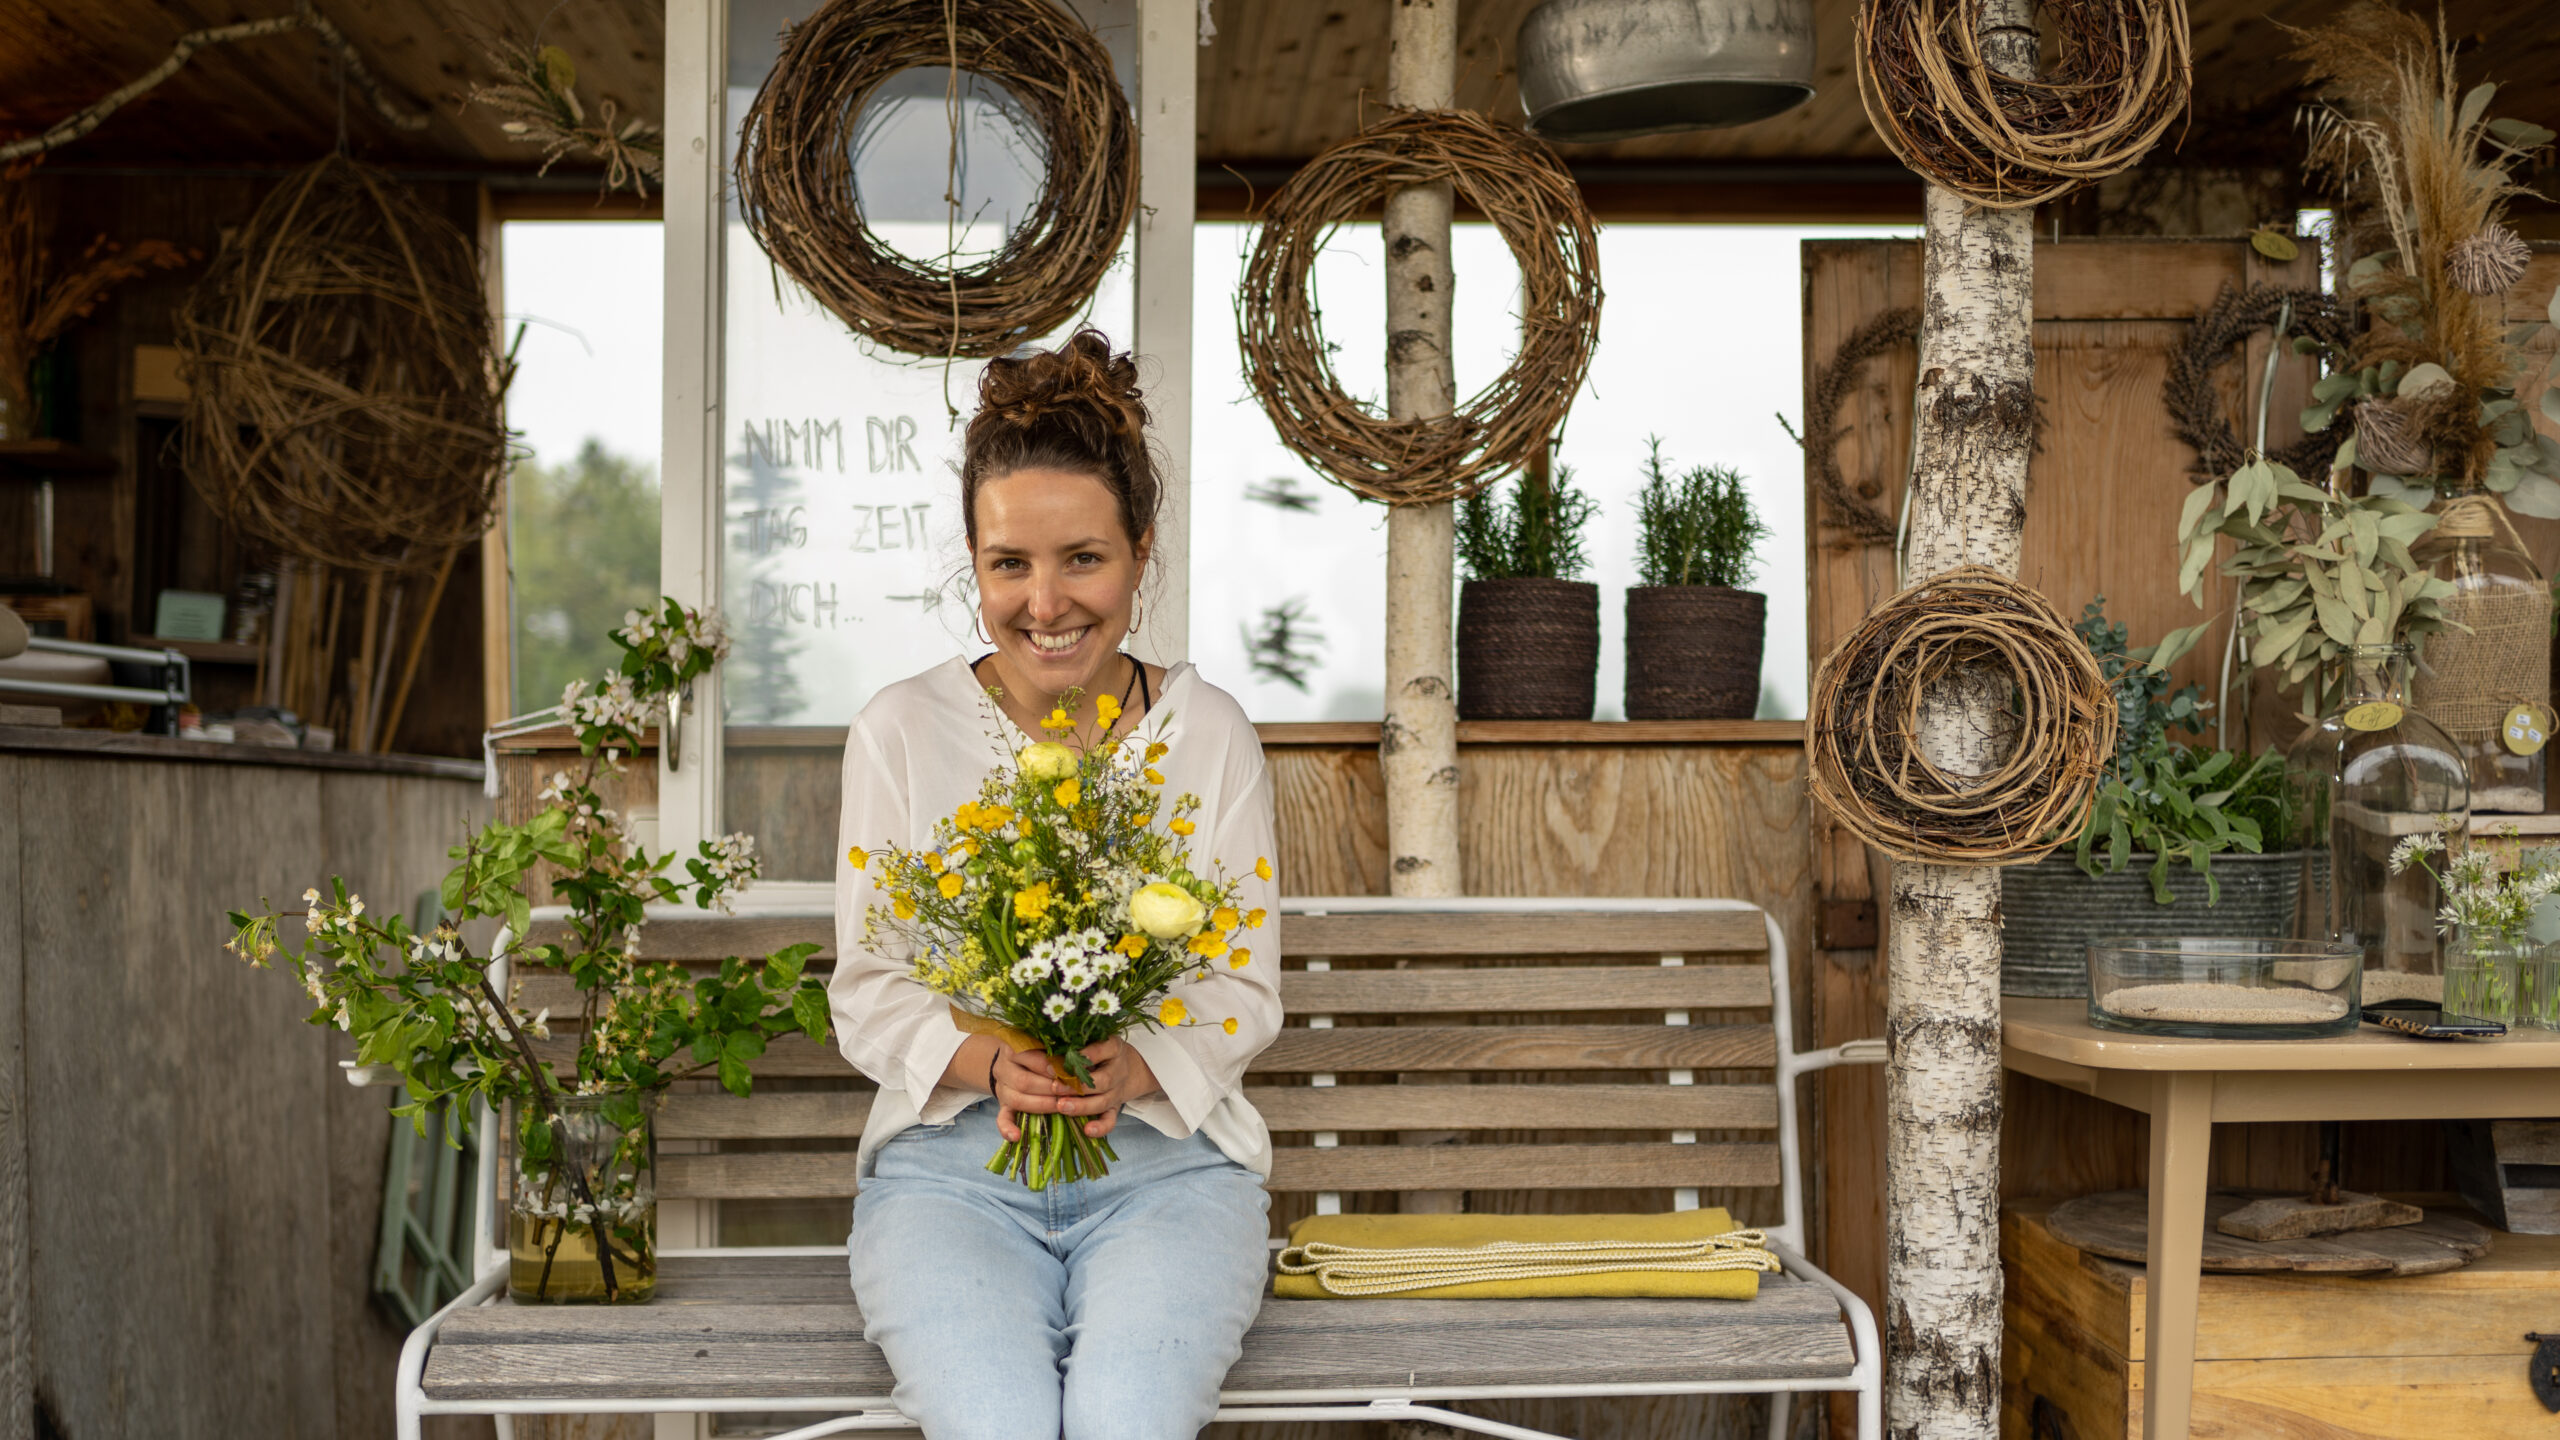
x: 1057, y: 910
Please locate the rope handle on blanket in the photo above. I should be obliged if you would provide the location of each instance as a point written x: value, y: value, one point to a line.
x: 1352, y: 1271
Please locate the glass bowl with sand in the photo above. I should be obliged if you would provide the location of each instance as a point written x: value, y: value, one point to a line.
x: 2220, y: 988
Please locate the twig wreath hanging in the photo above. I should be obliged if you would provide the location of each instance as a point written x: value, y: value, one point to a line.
x: 2195, y: 406
x: 2060, y: 724
x: 2006, y: 144
x: 795, y: 170
x: 345, y: 394
x: 1518, y: 184
x: 1853, y: 509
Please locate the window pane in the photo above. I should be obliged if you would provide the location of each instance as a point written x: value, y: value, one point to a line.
x: 843, y: 562
x: 1700, y: 344
x: 582, y: 506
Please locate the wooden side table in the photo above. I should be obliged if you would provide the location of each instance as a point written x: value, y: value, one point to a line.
x: 2185, y: 1086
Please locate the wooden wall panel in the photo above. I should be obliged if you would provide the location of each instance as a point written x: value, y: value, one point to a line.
x: 2103, y: 494
x: 204, y: 1189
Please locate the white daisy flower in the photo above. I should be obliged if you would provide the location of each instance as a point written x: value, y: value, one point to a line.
x: 1104, y: 1002
x: 1056, y: 1007
x: 1077, y: 974
x: 1029, y: 970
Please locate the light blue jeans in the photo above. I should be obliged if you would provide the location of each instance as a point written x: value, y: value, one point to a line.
x: 1108, y: 1309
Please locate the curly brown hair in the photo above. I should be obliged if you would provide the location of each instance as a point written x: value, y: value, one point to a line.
x: 1077, y: 408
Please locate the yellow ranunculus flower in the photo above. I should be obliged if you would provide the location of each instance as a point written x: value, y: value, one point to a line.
x: 1068, y: 793
x: 1047, y: 761
x: 1106, y: 708
x: 858, y: 858
x: 1180, y: 826
x: 1168, y: 912
x: 1240, y: 959
x: 1253, y: 919
x: 1132, y: 946
x: 949, y: 885
x: 1261, y: 867
x: 1229, y: 1025
x: 1224, y: 917
x: 1172, y: 1011
x: 1208, y: 944
x: 1032, y: 903
x: 932, y: 859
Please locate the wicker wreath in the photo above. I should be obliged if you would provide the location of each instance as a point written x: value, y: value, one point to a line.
x: 2196, y: 412
x: 795, y: 170
x: 1518, y: 184
x: 2005, y: 144
x: 345, y: 399
x: 2059, y: 726
x: 1852, y: 508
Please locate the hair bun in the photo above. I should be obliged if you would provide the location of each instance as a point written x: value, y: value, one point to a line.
x: 1082, y: 374
x: 1077, y: 407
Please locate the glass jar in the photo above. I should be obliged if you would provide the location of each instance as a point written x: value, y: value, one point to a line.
x: 2538, y: 990
x: 2486, y: 676
x: 2369, y: 773
x: 587, y: 1169
x: 2483, y: 978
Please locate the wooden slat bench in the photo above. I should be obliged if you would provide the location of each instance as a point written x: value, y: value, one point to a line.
x: 1581, y: 1028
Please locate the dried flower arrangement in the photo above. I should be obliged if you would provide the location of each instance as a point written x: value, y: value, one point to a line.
x: 2432, y: 386
x: 40, y: 299
x: 536, y: 96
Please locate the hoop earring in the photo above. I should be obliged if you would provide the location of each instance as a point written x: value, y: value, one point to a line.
x: 978, y: 627
x: 1137, y: 608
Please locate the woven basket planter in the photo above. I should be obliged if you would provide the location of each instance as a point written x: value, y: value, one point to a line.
x: 1527, y: 649
x: 1693, y: 652
x: 2051, y: 912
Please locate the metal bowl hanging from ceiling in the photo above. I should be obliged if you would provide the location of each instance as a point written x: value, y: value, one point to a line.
x: 1613, y: 69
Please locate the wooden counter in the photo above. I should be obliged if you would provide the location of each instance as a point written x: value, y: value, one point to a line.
x: 190, y: 1194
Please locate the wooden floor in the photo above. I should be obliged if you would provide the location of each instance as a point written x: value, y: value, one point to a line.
x: 747, y: 1326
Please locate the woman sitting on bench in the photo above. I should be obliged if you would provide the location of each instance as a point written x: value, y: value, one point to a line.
x: 1105, y: 1309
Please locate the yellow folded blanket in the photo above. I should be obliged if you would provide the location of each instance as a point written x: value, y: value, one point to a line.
x: 1688, y: 1254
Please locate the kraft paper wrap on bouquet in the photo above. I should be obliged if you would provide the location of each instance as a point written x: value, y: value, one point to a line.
x: 1688, y: 1254
x: 1012, y: 1037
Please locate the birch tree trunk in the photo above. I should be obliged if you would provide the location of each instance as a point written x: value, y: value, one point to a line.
x: 1418, y: 741
x: 1975, y: 426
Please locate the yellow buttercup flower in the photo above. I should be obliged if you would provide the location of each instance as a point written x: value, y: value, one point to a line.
x: 1261, y: 867
x: 932, y: 859
x: 1106, y: 708
x: 1181, y: 826
x: 973, y: 845
x: 1132, y: 946
x: 1224, y: 917
x: 1155, y: 777
x: 1032, y: 903
x: 1253, y: 919
x: 903, y: 905
x: 1207, y: 943
x: 1240, y: 959
x: 1172, y: 1011
x: 858, y: 858
x: 949, y: 885
x: 1230, y: 1025
x: 1157, y: 750
x: 1059, y: 720
x: 1068, y: 793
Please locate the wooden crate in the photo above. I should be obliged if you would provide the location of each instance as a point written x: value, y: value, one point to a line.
x: 2289, y: 1357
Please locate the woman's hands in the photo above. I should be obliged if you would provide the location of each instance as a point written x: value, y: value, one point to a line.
x: 1025, y: 1085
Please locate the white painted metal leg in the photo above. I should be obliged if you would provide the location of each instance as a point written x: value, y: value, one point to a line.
x: 1782, y: 1409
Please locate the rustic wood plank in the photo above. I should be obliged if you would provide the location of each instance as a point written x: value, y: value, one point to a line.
x: 1518, y: 1167
x: 1696, y: 932
x: 766, y: 1115
x: 1364, y: 733
x: 714, y: 938
x: 1382, y: 1049
x: 1515, y: 1107
x: 17, y: 1335
x: 744, y: 1351
x: 1490, y: 990
x: 2115, y: 1223
x: 768, y: 1175
x: 793, y: 1054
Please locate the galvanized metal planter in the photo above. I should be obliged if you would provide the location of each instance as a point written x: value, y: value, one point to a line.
x: 2051, y: 911
x: 1612, y: 69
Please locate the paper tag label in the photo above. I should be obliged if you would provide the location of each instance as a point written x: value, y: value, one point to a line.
x: 2373, y: 715
x: 2527, y: 730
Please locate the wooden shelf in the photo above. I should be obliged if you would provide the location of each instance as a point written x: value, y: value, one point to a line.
x: 202, y: 652
x: 52, y: 459
x: 1555, y: 732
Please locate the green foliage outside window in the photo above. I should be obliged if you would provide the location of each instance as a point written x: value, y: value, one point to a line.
x: 583, y: 544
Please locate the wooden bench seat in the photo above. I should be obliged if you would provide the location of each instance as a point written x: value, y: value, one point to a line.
x: 736, y: 1327
x: 1487, y: 1054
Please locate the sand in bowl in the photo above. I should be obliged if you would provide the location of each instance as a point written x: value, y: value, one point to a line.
x: 2205, y: 1003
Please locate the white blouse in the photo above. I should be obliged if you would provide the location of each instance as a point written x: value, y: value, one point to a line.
x: 924, y: 745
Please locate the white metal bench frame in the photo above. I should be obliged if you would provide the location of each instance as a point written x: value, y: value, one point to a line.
x: 683, y: 1419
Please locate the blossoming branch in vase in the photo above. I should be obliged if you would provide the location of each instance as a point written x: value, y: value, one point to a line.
x: 1058, y: 909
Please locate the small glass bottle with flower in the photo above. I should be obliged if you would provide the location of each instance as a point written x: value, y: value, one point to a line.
x: 2490, y: 958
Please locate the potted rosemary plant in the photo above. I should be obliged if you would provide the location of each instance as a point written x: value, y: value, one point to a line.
x: 2186, y: 838
x: 428, y: 1006
x: 1693, y: 634
x: 1528, y: 630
